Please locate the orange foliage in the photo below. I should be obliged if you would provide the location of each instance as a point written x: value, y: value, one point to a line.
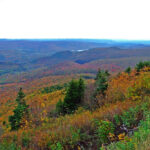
x: 44, y: 129
x: 118, y: 87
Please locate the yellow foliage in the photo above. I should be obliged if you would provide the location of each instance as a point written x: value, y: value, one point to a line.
x: 112, y: 137
x: 58, y: 129
x: 43, y: 105
x: 121, y: 136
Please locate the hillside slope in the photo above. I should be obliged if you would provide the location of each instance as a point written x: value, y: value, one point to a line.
x: 126, y: 103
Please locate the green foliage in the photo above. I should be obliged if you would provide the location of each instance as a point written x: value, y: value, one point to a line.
x: 101, y: 82
x: 128, y: 70
x: 53, y: 88
x: 60, y: 107
x: 81, y: 88
x: 117, y: 120
x: 19, y: 112
x: 139, y: 140
x: 101, y: 85
x: 74, y: 95
x: 56, y: 146
x: 4, y: 145
x: 20, y: 96
x: 25, y: 140
x: 129, y: 118
x: 103, y: 130
x: 75, y: 136
x: 71, y: 97
x: 141, y: 65
x: 140, y: 89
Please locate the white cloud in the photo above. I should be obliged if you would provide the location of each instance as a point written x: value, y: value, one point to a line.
x: 118, y: 19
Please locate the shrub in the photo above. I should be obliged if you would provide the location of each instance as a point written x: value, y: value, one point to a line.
x: 141, y: 88
x: 139, y: 140
x: 141, y: 65
x: 56, y: 146
x: 60, y: 107
x: 4, y: 145
x: 75, y: 136
x: 103, y: 130
x: 25, y: 140
x: 53, y: 88
x: 129, y: 118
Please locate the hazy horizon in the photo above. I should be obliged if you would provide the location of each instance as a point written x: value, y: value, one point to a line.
x: 90, y: 39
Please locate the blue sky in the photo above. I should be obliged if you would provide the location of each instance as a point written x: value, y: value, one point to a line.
x: 102, y: 19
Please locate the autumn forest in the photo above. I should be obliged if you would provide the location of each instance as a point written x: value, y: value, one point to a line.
x: 74, y: 95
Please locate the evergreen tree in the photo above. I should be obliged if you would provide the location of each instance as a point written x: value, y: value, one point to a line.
x: 81, y: 88
x: 128, y: 70
x: 101, y: 82
x: 73, y: 97
x: 98, y: 74
x: 19, y: 112
x: 20, y: 96
x: 141, y: 65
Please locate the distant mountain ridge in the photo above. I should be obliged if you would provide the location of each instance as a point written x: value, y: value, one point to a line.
x: 92, y: 55
x: 46, y: 57
x: 27, y: 50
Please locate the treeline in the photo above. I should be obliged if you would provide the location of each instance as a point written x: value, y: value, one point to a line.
x: 53, y: 88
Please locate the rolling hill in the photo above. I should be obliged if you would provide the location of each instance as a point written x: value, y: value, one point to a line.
x: 24, y: 60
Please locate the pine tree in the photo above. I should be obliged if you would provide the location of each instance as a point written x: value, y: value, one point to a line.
x: 128, y: 70
x: 81, y: 88
x: 74, y: 95
x: 101, y: 83
x: 71, y: 97
x: 19, y: 112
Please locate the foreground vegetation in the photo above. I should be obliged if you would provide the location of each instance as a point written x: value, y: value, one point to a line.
x: 108, y: 112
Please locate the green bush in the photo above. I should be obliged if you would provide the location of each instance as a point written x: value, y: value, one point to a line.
x: 57, y: 146
x: 139, y: 140
x: 103, y: 130
x: 60, y: 107
x: 25, y: 140
x: 75, y: 136
x: 129, y: 118
x: 117, y: 120
x: 4, y: 145
x: 141, y: 65
x: 54, y: 88
x: 140, y: 89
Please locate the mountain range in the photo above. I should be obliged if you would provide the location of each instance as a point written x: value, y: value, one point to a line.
x: 39, y: 58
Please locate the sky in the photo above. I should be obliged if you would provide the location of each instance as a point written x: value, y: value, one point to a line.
x: 96, y: 19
